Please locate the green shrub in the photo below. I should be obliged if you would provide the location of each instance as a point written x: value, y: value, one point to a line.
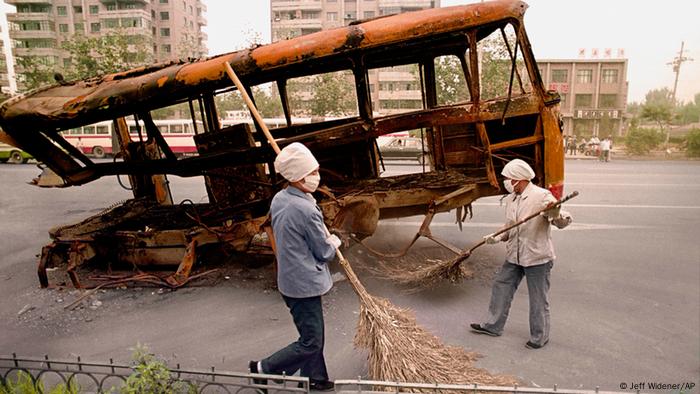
x: 641, y: 141
x: 693, y: 141
x: 151, y: 375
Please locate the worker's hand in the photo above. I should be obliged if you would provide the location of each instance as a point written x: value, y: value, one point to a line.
x: 564, y: 219
x: 491, y: 239
x: 552, y: 213
x: 334, y: 240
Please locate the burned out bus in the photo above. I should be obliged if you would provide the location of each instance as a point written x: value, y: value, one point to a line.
x: 469, y: 136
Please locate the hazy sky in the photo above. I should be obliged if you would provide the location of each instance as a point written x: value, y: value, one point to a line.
x: 649, y: 32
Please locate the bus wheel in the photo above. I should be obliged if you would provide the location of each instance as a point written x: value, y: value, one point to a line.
x: 15, y: 157
x: 98, y: 152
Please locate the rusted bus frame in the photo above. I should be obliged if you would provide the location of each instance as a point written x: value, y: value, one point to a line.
x: 317, y: 140
x: 102, y: 377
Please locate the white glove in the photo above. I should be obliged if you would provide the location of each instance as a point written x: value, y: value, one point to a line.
x: 552, y: 213
x: 563, y: 220
x: 334, y: 240
x: 491, y: 239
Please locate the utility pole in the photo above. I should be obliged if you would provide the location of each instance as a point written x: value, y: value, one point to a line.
x: 676, y: 63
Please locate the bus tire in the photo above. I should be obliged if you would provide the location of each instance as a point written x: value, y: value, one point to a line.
x: 98, y: 152
x: 15, y: 157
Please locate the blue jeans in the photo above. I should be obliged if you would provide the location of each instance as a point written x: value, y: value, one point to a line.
x: 306, y: 353
x: 504, y: 287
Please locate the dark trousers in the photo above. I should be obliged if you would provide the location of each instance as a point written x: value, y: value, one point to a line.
x: 504, y: 287
x: 306, y: 354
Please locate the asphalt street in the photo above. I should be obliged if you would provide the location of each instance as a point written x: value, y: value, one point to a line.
x: 625, y: 296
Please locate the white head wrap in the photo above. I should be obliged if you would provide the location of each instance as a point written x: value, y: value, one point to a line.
x: 518, y: 170
x: 295, y: 161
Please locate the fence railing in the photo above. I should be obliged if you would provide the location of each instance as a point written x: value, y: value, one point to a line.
x: 360, y: 386
x: 102, y: 377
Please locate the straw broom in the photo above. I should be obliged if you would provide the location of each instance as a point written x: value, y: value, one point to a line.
x: 452, y: 270
x: 399, y: 350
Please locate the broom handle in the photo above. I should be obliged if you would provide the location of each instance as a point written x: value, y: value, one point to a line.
x: 357, y: 286
x: 251, y: 106
x: 526, y: 219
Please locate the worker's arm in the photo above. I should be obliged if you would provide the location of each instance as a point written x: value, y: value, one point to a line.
x: 321, y: 243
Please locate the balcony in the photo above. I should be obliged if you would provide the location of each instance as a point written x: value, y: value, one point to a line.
x: 202, y: 6
x: 201, y: 20
x: 26, y: 34
x: 15, y: 2
x: 131, y: 13
x: 28, y: 52
x: 142, y: 2
x: 406, y: 3
x: 297, y: 24
x: 291, y: 5
x: 30, y: 16
x: 400, y: 95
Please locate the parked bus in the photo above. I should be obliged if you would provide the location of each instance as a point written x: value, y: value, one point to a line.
x: 496, y: 110
x: 98, y: 139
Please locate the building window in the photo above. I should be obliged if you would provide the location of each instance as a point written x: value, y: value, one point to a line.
x: 368, y: 14
x: 563, y: 99
x: 79, y: 28
x: 61, y: 10
x: 165, y: 31
x: 584, y: 76
x: 131, y: 22
x: 583, y: 101
x: 165, y: 48
x: 77, y: 9
x: 164, y: 15
x: 94, y: 9
x: 163, y: 1
x: 111, y: 23
x: 332, y: 16
x: 95, y: 27
x: 63, y: 28
x: 609, y: 75
x: 560, y: 76
x: 111, y: 7
x: 66, y: 62
x: 607, y: 100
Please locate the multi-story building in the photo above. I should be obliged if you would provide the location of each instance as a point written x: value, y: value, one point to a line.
x: 593, y: 94
x: 39, y: 27
x: 4, y: 78
x: 393, y: 89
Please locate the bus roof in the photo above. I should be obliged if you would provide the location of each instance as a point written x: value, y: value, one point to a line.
x: 77, y: 103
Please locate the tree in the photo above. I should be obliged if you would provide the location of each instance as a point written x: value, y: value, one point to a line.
x: 689, y: 112
x: 109, y: 53
x: 332, y: 94
x: 642, y: 141
x: 90, y: 56
x: 36, y: 71
x: 658, y: 107
x: 693, y: 143
x: 449, y: 81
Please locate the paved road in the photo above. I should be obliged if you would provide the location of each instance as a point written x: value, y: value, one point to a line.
x: 625, y: 289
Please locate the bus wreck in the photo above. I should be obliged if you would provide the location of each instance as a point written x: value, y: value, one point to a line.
x: 468, y: 139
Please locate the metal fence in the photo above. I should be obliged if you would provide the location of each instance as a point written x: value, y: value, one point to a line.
x: 360, y: 386
x: 101, y: 378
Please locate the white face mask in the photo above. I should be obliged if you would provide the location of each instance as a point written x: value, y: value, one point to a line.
x: 311, y: 182
x: 508, y: 185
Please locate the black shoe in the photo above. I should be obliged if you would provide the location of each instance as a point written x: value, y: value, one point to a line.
x: 253, y: 366
x: 481, y: 330
x: 531, y: 345
x: 322, y: 386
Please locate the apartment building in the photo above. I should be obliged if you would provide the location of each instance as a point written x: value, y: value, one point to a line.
x: 593, y: 94
x: 172, y: 27
x: 392, y: 90
x: 4, y: 78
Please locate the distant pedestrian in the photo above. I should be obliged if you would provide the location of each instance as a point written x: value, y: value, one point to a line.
x: 529, y: 253
x: 573, y: 146
x: 605, y: 150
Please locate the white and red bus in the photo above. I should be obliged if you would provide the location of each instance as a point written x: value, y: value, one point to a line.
x: 96, y: 139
